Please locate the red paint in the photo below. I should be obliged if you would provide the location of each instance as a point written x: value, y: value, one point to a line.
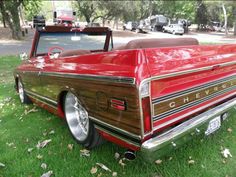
x: 118, y: 141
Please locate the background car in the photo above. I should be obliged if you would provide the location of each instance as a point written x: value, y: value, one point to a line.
x: 174, y: 29
x: 38, y: 21
x: 130, y: 26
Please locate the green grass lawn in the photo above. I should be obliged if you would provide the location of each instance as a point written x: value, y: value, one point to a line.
x: 20, y: 131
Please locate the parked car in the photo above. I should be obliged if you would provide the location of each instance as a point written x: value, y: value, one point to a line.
x: 132, y: 26
x: 174, y: 29
x: 38, y: 21
x: 143, y: 26
x: 149, y: 95
x: 216, y: 26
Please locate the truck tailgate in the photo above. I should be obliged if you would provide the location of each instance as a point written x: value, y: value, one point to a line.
x: 187, y: 80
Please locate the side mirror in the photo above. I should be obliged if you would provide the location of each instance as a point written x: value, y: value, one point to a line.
x: 24, y: 56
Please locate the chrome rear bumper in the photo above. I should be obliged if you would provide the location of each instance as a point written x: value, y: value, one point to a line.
x: 158, y: 146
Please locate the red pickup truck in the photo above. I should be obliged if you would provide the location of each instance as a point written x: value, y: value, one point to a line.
x: 149, y: 95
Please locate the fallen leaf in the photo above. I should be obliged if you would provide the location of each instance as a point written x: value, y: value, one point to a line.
x: 34, y: 109
x: 10, y: 144
x: 8, y: 99
x: 44, y: 133
x: 114, y: 174
x: 99, y: 175
x: 39, y: 156
x: 191, y: 162
x: 2, y: 164
x: 70, y: 147
x: 229, y: 130
x: 30, y: 150
x: 158, y: 161
x: 117, y: 155
x: 48, y: 174
x: 121, y: 162
x: 43, y: 166
x: 93, y: 170
x: 226, y: 153
x: 170, y: 158
x: 85, y: 152
x: 103, y: 167
x: 51, y: 132
x: 223, y: 161
x: 43, y: 143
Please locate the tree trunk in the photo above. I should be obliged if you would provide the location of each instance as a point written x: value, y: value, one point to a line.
x: 234, y: 28
x: 16, y: 27
x: 2, y: 12
x: 87, y: 18
x: 21, y: 16
x: 117, y: 21
x: 12, y: 18
x: 103, y: 21
x: 225, y: 17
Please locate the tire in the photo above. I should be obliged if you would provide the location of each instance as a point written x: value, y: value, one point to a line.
x: 23, y: 97
x: 80, y: 126
x: 173, y: 32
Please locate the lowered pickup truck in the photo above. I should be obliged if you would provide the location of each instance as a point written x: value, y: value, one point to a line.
x: 150, y: 95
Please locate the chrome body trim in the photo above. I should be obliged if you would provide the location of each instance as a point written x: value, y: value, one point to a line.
x: 191, y: 90
x: 42, y: 98
x: 115, y: 128
x: 114, y: 79
x: 187, y: 71
x: 181, y: 133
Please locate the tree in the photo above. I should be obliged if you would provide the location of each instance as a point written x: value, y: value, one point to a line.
x: 88, y: 9
x: 2, y: 12
x: 10, y: 13
x: 201, y: 15
x: 225, y: 17
x: 32, y: 8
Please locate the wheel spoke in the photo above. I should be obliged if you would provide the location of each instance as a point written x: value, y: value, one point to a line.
x: 77, y: 117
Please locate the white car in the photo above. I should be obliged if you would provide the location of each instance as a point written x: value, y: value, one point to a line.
x: 174, y: 29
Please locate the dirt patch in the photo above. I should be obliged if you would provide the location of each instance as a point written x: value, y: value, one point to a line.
x: 5, y: 34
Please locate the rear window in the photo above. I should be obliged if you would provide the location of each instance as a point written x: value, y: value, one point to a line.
x: 70, y: 41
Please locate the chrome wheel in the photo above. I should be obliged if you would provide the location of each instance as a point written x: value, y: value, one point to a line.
x: 21, y: 92
x: 77, y: 117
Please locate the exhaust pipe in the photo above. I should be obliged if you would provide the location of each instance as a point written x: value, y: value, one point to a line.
x: 130, y: 154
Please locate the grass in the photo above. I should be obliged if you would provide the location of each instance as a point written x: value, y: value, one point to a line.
x: 18, y: 132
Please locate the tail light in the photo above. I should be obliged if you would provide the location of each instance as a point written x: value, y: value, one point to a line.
x: 146, y: 108
x: 146, y: 114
